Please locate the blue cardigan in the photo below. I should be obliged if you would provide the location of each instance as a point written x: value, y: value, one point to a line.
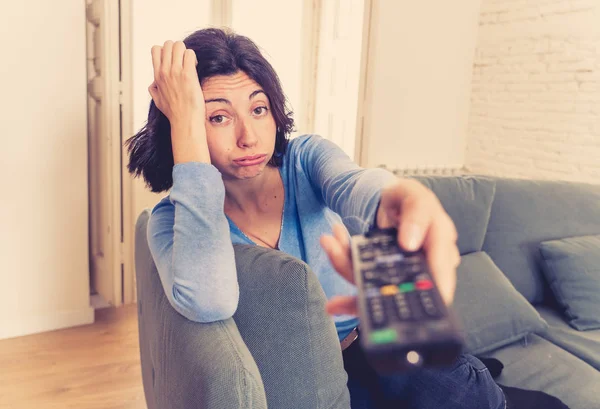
x: 190, y: 237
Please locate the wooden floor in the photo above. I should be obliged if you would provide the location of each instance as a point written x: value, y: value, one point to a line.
x: 90, y: 367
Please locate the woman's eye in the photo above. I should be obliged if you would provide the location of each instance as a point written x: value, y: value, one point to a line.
x: 260, y: 110
x: 217, y: 119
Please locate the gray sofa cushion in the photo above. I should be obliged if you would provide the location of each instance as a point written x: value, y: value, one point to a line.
x: 468, y: 201
x: 572, y: 267
x: 492, y: 311
x: 583, y: 344
x: 540, y: 365
x: 527, y: 212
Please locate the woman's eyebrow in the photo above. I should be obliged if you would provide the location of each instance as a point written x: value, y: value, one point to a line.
x: 255, y: 93
x: 223, y: 100
x: 226, y: 101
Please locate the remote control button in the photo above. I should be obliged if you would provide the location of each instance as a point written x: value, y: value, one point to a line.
x: 432, y: 312
x: 415, y: 306
x: 389, y: 290
x: 376, y: 303
x: 404, y: 313
x: 424, y: 285
x: 376, y: 307
x: 370, y: 275
x: 371, y: 292
x: 406, y: 287
x: 367, y: 255
x: 390, y: 259
x: 413, y: 260
x: 378, y: 320
x: 384, y: 336
x: 395, y: 279
x: 400, y: 307
x: 429, y: 305
x: 415, y: 268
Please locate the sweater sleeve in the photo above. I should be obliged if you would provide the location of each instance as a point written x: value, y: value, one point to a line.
x: 346, y: 188
x: 189, y: 239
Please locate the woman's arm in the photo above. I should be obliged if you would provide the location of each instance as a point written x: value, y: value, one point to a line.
x: 188, y: 236
x: 349, y: 190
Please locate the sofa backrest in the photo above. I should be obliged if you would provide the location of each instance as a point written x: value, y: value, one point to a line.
x: 468, y: 201
x: 526, y: 212
x: 508, y: 218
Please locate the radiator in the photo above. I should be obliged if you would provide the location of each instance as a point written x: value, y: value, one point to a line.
x: 428, y: 170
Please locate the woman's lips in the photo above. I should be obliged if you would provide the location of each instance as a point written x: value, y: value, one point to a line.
x: 251, y: 160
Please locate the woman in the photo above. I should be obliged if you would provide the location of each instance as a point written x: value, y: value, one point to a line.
x: 217, y: 136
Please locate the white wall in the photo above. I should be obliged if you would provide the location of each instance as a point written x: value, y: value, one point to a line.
x: 44, y: 210
x: 535, y: 109
x: 419, y: 81
x: 276, y: 27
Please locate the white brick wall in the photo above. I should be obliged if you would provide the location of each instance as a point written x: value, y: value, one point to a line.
x: 535, y: 101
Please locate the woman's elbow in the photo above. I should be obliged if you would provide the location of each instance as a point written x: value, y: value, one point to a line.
x: 200, y: 308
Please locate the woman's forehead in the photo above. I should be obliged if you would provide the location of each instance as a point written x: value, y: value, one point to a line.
x: 219, y: 85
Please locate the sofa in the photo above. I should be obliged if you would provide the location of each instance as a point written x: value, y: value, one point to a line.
x: 525, y: 296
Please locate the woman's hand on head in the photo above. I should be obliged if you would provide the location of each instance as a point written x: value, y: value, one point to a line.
x: 177, y: 93
x: 421, y: 221
x: 176, y: 88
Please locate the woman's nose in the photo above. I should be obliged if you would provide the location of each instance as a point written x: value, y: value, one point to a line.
x: 246, y: 136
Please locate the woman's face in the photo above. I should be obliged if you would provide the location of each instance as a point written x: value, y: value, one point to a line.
x: 240, y: 127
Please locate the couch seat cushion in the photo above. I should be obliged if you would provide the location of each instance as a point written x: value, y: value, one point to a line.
x: 493, y: 313
x: 584, y: 344
x: 540, y: 365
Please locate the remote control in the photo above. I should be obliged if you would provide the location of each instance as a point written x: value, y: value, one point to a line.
x: 404, y: 323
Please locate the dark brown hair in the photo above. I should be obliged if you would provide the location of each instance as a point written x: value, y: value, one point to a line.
x: 219, y: 52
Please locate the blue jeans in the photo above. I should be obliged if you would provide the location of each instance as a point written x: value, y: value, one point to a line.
x: 466, y: 385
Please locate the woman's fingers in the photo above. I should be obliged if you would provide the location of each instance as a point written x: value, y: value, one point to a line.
x: 443, y: 257
x: 408, y: 205
x: 337, y: 248
x: 166, y: 59
x: 341, y: 235
x: 342, y: 305
x: 178, y: 53
x: 189, y: 61
x: 156, y: 56
x: 152, y: 89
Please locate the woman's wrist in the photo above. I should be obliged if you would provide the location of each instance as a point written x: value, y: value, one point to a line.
x: 188, y: 139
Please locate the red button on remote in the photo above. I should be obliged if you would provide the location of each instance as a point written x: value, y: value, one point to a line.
x: 424, y: 285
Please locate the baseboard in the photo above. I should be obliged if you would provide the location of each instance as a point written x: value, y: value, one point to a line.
x: 17, y: 326
x: 97, y: 302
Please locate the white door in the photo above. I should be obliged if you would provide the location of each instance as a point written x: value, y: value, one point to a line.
x: 104, y: 117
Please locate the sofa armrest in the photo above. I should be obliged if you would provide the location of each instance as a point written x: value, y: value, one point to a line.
x: 189, y: 365
x: 280, y: 348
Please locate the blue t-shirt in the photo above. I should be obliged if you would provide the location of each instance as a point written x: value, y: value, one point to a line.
x: 190, y: 237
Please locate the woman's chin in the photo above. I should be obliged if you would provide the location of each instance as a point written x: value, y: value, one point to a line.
x: 249, y: 172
